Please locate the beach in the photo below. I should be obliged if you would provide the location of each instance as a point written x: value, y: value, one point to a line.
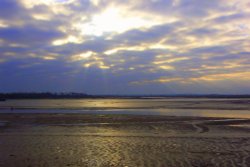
x: 113, y: 83
x: 82, y: 139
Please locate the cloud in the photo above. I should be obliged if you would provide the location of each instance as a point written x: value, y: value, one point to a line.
x: 28, y: 35
x: 11, y: 9
x: 156, y: 46
x: 152, y: 34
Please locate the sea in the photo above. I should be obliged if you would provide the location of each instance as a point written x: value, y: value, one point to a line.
x: 198, y: 107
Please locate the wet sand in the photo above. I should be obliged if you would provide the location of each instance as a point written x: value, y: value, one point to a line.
x: 122, y: 140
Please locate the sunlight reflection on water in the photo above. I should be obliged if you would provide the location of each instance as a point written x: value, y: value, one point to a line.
x: 232, y: 108
x: 164, y: 112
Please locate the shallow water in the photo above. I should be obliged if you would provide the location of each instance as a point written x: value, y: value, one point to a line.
x: 231, y: 108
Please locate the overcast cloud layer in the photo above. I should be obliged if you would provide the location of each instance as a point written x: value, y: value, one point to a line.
x: 125, y: 46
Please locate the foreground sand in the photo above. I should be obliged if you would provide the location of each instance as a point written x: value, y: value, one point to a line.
x: 53, y: 140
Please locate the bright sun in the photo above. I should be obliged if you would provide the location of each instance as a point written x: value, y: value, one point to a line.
x: 111, y: 20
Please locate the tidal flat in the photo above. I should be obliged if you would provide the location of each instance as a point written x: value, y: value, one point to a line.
x: 124, y: 139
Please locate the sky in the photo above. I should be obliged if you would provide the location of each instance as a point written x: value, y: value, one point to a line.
x: 125, y: 46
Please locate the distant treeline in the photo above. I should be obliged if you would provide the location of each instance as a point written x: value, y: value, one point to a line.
x: 207, y: 96
x: 177, y: 96
x: 48, y: 95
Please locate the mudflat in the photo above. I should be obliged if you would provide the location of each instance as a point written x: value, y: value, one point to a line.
x: 122, y: 140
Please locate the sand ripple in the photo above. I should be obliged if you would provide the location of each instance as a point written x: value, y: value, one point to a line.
x: 163, y: 142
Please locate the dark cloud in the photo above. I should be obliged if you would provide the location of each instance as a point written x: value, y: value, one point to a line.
x: 152, y: 34
x: 28, y: 35
x: 197, y: 8
x: 203, y: 32
x: 210, y: 50
x: 11, y: 9
x: 157, y: 6
x: 231, y: 17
